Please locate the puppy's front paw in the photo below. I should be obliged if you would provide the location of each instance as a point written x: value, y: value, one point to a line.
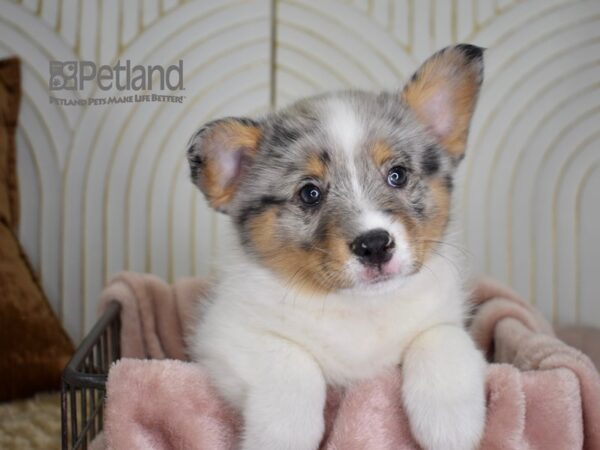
x: 285, y: 410
x: 280, y: 436
x: 449, y: 425
x: 444, y: 391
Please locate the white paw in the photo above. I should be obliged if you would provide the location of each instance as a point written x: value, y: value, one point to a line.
x: 284, y: 433
x: 456, y: 425
x: 444, y: 390
x: 284, y: 411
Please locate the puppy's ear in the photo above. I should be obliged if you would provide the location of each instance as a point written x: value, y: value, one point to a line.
x: 443, y: 94
x: 219, y: 155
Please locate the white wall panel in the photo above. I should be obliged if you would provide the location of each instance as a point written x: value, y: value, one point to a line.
x: 106, y: 188
x: 110, y: 188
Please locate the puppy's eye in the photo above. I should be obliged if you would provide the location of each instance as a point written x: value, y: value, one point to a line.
x: 397, y: 177
x: 310, y: 195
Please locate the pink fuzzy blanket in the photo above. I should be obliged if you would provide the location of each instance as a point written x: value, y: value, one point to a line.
x: 541, y: 393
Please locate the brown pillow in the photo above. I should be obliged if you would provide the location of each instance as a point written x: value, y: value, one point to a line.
x: 33, y: 346
x: 10, y: 94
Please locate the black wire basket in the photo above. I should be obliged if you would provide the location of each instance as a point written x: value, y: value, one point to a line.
x: 83, y: 385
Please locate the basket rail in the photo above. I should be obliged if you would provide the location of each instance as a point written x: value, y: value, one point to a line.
x: 84, y: 380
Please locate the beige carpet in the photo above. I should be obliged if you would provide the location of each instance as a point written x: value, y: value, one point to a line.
x: 33, y: 423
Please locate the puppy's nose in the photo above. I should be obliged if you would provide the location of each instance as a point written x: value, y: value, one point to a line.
x: 373, y: 247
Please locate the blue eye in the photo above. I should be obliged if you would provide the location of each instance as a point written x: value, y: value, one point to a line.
x: 397, y: 177
x: 310, y: 195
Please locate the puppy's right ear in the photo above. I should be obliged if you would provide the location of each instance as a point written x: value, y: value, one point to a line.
x: 219, y: 155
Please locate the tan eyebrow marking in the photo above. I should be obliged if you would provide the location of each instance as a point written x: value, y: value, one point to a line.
x: 315, y: 166
x: 381, y: 153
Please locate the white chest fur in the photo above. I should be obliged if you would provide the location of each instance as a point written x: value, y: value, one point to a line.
x: 350, y: 335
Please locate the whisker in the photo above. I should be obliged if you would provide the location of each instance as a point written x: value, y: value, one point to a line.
x: 462, y: 249
x: 444, y: 257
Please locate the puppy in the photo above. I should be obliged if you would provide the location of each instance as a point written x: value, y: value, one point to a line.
x: 341, y: 204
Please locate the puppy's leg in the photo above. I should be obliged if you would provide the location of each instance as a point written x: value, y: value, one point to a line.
x: 284, y: 407
x: 443, y: 389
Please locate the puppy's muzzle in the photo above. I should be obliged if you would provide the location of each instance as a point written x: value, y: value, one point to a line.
x: 375, y: 247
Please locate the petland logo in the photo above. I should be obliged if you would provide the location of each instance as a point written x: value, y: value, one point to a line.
x: 78, y: 75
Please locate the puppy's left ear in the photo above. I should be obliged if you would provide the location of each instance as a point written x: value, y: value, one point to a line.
x: 220, y: 154
x: 444, y: 91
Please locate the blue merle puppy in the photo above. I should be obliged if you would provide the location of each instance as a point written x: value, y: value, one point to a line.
x: 341, y: 204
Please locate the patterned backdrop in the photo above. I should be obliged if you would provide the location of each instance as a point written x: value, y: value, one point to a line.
x: 106, y: 188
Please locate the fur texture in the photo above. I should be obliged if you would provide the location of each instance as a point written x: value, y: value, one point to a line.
x: 341, y: 204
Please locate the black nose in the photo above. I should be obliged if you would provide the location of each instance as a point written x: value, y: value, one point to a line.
x: 373, y: 247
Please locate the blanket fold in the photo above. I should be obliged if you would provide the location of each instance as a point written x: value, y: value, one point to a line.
x: 541, y: 393
x: 154, y: 314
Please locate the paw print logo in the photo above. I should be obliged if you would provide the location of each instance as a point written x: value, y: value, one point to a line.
x: 63, y: 75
